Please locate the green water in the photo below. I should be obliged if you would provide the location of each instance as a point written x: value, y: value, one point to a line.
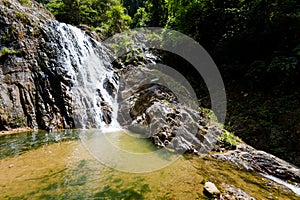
x: 59, y: 165
x: 126, y: 151
x: 17, y: 144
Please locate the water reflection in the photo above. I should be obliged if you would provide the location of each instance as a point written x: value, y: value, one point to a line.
x: 17, y: 144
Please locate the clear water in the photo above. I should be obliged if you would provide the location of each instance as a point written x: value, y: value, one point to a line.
x: 41, y: 165
x: 126, y: 151
x: 294, y: 188
x: 16, y: 144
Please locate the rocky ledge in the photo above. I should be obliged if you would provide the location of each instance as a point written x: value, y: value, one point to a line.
x: 150, y: 108
x: 249, y: 158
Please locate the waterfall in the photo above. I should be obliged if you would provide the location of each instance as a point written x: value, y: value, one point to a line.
x: 94, y: 84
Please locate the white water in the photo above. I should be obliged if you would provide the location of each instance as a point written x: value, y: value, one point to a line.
x: 88, y: 65
x: 294, y: 188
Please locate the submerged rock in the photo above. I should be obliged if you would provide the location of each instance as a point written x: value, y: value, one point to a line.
x: 233, y: 193
x: 211, y: 190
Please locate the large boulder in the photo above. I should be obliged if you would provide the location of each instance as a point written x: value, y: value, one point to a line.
x: 153, y: 110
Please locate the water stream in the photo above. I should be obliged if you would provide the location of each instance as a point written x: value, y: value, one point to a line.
x: 294, y: 188
x: 86, y: 63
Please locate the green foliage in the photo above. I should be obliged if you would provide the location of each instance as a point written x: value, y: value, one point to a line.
x: 141, y: 18
x: 123, y: 44
x: 267, y: 120
x: 209, y: 113
x: 21, y: 16
x: 132, y: 6
x: 42, y: 1
x: 4, y: 37
x: 6, y: 51
x: 283, y: 64
x: 116, y: 21
x: 147, y: 12
x: 106, y: 15
x: 228, y: 140
x: 158, y: 12
x: 25, y: 2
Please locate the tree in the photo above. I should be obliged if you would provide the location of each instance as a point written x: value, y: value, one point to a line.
x: 141, y: 18
x: 107, y: 15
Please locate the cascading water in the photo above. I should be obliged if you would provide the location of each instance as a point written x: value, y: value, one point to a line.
x: 88, y: 65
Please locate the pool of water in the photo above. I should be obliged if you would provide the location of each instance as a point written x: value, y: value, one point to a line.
x: 41, y: 165
x: 16, y: 144
x: 126, y: 151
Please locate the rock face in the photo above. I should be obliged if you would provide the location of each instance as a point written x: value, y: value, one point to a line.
x: 41, y: 61
x: 32, y: 92
x: 260, y: 161
x: 150, y: 108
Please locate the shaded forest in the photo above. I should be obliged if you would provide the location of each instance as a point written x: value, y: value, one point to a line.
x: 255, y: 44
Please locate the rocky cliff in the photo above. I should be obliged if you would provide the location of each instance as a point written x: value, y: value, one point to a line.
x: 41, y: 62
x: 33, y: 91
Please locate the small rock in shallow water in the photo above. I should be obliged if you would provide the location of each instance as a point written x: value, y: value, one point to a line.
x: 211, y: 190
x: 233, y: 193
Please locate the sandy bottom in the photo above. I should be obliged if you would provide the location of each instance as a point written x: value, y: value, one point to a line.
x: 67, y: 170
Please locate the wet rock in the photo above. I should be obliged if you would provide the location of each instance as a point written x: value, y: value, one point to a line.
x: 93, y: 34
x: 161, y: 114
x: 110, y: 88
x: 31, y: 94
x: 249, y: 158
x: 211, y: 190
x: 233, y: 193
x: 106, y: 114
